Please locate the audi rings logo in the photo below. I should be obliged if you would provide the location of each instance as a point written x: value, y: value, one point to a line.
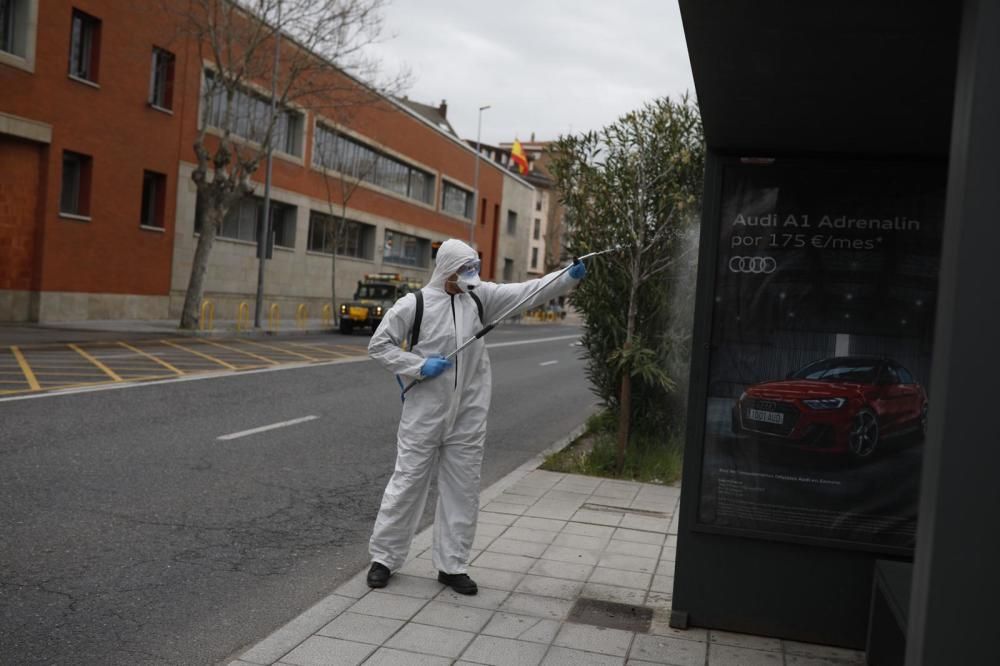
x: 753, y: 265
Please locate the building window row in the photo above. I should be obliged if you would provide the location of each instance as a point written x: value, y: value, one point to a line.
x: 356, y: 239
x: 456, y: 200
x: 85, y: 46
x: 14, y: 27
x: 249, y: 115
x: 74, y: 194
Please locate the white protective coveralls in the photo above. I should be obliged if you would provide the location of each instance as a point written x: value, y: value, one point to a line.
x: 443, y: 423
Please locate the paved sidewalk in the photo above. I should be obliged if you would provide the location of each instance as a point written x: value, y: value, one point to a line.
x: 546, y: 543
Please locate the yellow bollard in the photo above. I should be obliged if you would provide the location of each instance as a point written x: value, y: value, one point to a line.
x: 274, y: 317
x: 327, y: 316
x: 301, y: 316
x: 207, y: 314
x: 243, y: 317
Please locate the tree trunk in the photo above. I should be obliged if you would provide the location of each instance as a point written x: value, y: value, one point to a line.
x: 191, y: 313
x: 625, y: 399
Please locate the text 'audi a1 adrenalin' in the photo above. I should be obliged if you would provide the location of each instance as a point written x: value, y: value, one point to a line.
x: 844, y: 405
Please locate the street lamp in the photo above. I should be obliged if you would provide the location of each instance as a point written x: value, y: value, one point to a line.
x: 475, y: 180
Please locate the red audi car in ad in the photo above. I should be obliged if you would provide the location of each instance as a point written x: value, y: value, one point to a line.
x: 844, y: 405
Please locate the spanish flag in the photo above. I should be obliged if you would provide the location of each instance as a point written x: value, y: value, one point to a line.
x: 518, y: 157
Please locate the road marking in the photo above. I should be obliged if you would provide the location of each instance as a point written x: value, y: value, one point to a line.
x: 322, y: 349
x: 150, y: 356
x: 273, y: 426
x: 240, y: 351
x: 198, y: 353
x: 26, y: 369
x: 279, y: 349
x: 108, y: 371
x: 531, y: 342
x: 549, y: 363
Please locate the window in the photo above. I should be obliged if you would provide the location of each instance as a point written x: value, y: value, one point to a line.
x: 405, y: 249
x: 534, y: 257
x: 14, y: 27
x: 356, y: 239
x: 74, y: 199
x: 537, y: 233
x: 511, y: 222
x: 538, y: 202
x: 85, y: 46
x: 154, y: 189
x: 456, y: 200
x: 243, y: 221
x: 508, y: 270
x: 161, y: 80
x: 333, y: 150
x: 250, y: 114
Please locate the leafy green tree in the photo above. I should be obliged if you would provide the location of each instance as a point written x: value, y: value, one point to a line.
x: 636, y: 184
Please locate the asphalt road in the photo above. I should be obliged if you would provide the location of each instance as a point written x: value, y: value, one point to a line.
x: 133, y: 535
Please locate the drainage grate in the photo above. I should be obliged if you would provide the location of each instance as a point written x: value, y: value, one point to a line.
x: 611, y: 615
x: 625, y: 509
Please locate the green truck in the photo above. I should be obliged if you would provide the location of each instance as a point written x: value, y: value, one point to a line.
x: 373, y: 298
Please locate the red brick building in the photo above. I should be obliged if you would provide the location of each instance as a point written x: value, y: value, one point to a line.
x: 99, y: 110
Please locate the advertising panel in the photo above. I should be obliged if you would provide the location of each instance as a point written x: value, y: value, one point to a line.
x: 822, y: 326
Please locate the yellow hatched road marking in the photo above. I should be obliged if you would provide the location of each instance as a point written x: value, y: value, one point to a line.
x: 110, y: 373
x: 280, y: 349
x: 240, y: 351
x: 198, y: 353
x: 318, y: 348
x: 355, y: 350
x: 26, y: 369
x: 150, y: 356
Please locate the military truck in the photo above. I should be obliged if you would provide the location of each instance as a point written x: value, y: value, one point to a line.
x: 373, y: 298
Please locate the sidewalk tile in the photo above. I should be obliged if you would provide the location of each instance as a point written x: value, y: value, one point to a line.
x: 611, y: 518
x: 665, y: 568
x: 744, y: 641
x: 528, y: 534
x: 572, y: 555
x: 657, y: 504
x: 504, y: 652
x: 800, y: 660
x: 500, y: 507
x: 560, y: 656
x: 617, y: 593
x: 615, y: 642
x: 431, y: 640
x: 669, y: 554
x: 495, y: 578
x: 823, y: 652
x: 662, y: 628
x: 294, y: 632
x: 482, y: 541
x: 323, y: 651
x: 504, y: 562
x: 616, y: 491
x: 522, y: 627
x: 511, y: 498
x: 550, y: 587
x: 527, y: 490
x: 361, y: 628
x: 530, y: 604
x: 660, y: 600
x: 418, y: 567
x: 671, y: 541
x: 586, y: 529
x: 389, y: 657
x: 585, y: 483
x: 567, y: 496
x: 632, y: 579
x: 540, y: 523
x: 633, y: 548
x: 413, y: 586
x: 634, y: 522
x: 628, y: 562
x: 542, y: 478
x: 553, y: 510
x: 488, y: 517
x: 727, y: 655
x: 567, y: 570
x: 623, y: 534
x: 665, y: 650
x: 514, y: 547
x: 453, y: 616
x: 580, y: 542
x: 356, y: 587
x: 490, y: 529
x: 487, y: 598
x: 383, y: 604
x: 662, y: 584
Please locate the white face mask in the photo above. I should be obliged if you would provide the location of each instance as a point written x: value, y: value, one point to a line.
x: 468, y: 276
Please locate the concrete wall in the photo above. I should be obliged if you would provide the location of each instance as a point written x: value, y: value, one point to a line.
x: 520, y: 198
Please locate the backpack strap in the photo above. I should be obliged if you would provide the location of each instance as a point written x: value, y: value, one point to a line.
x: 418, y: 316
x: 479, y: 306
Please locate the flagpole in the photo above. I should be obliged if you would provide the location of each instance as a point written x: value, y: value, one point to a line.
x: 475, y: 181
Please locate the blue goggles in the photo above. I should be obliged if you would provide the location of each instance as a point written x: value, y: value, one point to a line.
x: 470, y: 268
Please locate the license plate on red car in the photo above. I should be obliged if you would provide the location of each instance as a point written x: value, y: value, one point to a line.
x: 766, y: 417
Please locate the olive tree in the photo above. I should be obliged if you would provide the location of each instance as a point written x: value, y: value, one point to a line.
x: 635, y: 184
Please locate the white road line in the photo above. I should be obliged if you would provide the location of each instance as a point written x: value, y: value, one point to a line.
x: 549, y: 363
x: 273, y: 426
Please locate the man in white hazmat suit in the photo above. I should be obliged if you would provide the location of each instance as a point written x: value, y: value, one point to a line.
x: 443, y: 424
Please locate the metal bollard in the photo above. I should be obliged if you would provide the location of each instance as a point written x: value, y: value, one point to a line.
x: 243, y: 317
x: 207, y: 314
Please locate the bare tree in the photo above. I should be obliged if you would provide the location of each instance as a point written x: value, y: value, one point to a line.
x: 322, y: 66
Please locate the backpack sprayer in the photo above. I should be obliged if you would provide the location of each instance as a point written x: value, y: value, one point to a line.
x: 493, y: 324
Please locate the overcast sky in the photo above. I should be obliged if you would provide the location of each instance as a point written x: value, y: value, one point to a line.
x: 544, y: 66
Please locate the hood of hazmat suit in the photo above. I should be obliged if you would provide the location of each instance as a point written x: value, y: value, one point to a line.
x: 443, y: 424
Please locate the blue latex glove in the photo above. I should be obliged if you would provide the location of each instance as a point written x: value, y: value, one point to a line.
x: 434, y: 366
x: 578, y: 271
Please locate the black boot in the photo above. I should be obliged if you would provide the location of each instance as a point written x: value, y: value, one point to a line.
x: 461, y: 583
x: 378, y: 575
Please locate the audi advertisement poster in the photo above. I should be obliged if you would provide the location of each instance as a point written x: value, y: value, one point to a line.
x: 820, y: 350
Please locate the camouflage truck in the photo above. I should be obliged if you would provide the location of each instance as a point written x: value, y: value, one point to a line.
x: 373, y: 298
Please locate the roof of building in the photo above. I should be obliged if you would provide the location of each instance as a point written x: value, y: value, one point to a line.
x: 436, y: 115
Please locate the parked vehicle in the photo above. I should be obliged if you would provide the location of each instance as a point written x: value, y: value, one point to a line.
x: 835, y: 405
x: 373, y: 298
